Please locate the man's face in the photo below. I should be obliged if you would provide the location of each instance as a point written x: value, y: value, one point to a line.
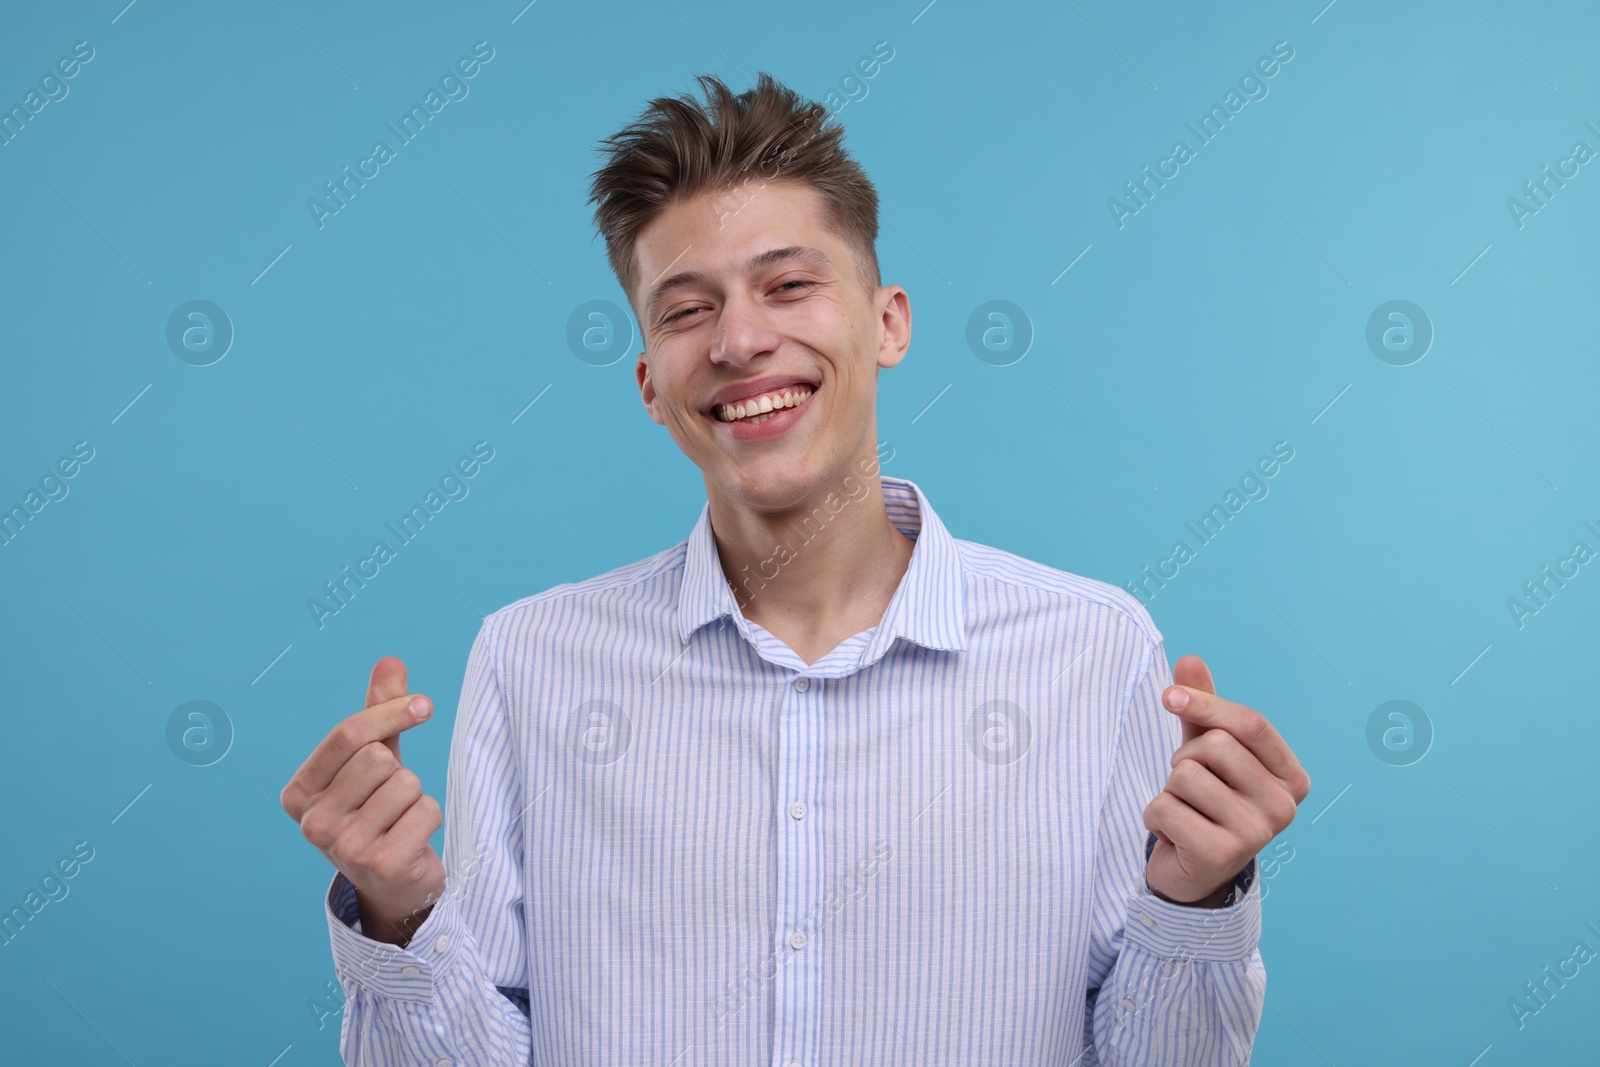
x: 719, y: 320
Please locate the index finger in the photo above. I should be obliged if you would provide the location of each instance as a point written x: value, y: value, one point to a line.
x: 380, y: 722
x: 1249, y: 726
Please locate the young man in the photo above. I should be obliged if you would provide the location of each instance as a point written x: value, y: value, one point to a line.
x: 821, y: 784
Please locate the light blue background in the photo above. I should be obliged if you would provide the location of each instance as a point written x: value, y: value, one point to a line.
x: 1225, y: 316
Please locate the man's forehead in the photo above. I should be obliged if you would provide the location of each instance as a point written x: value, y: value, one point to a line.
x: 741, y: 209
x: 735, y: 224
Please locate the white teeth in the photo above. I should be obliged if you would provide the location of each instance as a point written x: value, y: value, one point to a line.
x: 765, y: 404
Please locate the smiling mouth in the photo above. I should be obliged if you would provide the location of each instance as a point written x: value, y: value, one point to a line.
x: 756, y: 413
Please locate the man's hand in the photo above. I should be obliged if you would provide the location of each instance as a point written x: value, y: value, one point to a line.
x: 368, y: 814
x: 1234, y: 786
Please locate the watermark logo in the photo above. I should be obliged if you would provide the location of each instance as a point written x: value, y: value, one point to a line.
x: 453, y: 486
x: 1268, y: 867
x: 1252, y: 86
x: 332, y: 1001
x: 1539, y: 192
x: 199, y: 333
x: 52, y: 487
x: 853, y: 887
x: 1538, y: 592
x: 1399, y: 733
x: 52, y: 888
x: 853, y: 88
x: 599, y: 333
x: 453, y: 87
x: 812, y: 526
x: 772, y: 163
x: 999, y: 332
x: 199, y: 733
x: 1252, y: 486
x: 1539, y: 993
x: 1399, y: 333
x: 999, y: 732
x: 53, y: 89
x: 599, y: 732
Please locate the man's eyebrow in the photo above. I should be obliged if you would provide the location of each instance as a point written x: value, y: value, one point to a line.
x: 789, y: 253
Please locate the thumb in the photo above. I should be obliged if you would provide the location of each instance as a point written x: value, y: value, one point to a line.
x: 388, y: 680
x: 1191, y: 671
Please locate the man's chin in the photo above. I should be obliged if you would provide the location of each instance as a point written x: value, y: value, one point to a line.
x: 774, y: 484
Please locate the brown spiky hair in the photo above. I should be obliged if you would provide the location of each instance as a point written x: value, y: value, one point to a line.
x: 679, y: 148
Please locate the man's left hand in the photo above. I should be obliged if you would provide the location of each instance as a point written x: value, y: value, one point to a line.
x: 1234, y: 786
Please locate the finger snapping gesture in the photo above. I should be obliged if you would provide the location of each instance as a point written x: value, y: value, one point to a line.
x: 1234, y: 786
x: 368, y: 814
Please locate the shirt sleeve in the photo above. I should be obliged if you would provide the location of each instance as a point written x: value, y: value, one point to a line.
x: 1168, y: 984
x: 457, y: 994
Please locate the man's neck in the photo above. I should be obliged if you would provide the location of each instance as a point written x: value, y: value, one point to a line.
x: 817, y: 574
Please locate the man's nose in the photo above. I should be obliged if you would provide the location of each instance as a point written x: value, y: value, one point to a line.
x: 743, y: 331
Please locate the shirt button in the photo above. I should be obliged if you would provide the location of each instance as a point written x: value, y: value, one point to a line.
x: 441, y: 943
x: 798, y: 810
x: 797, y: 939
x: 410, y: 972
x: 441, y: 1062
x: 1129, y: 1003
x: 1151, y: 923
x: 794, y: 1063
x: 801, y: 685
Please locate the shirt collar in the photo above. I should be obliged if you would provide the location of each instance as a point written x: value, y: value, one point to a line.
x: 927, y: 608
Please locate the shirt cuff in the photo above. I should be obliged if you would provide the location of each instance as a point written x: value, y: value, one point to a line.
x: 388, y: 970
x: 1175, y: 931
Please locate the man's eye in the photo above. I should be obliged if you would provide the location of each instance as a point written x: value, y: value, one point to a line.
x: 680, y: 314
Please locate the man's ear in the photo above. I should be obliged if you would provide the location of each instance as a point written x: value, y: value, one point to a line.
x: 895, y: 325
x: 647, y: 389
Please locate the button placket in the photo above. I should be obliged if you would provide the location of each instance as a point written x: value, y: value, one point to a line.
x: 797, y: 992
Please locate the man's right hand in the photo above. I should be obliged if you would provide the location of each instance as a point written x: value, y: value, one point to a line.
x: 368, y: 814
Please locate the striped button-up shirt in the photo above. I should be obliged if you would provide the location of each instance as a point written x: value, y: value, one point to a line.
x: 669, y: 841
